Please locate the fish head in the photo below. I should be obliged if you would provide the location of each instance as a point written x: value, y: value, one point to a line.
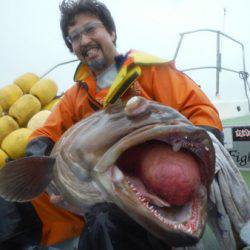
x: 90, y: 166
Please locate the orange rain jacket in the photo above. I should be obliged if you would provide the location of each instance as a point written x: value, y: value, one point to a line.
x: 156, y: 79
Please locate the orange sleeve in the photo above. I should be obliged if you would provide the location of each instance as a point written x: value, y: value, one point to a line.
x: 175, y: 89
x: 62, y: 118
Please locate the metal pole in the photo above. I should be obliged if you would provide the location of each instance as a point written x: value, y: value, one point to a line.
x: 245, y: 78
x: 178, y: 47
x: 58, y: 65
x: 218, y: 65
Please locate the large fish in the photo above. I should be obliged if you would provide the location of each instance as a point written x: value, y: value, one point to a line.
x: 102, y: 159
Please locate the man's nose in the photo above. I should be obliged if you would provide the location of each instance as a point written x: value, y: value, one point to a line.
x: 85, y: 39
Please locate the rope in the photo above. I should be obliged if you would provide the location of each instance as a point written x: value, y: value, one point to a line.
x: 243, y: 75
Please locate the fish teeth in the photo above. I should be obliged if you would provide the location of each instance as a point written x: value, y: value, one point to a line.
x: 118, y: 175
x: 156, y: 213
x: 131, y: 184
x: 205, y: 142
x: 146, y: 203
x: 151, y: 208
x: 176, y: 146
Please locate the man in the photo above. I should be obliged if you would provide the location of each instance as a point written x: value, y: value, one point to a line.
x: 89, y: 32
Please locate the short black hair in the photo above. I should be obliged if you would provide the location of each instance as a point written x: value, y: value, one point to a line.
x: 70, y: 8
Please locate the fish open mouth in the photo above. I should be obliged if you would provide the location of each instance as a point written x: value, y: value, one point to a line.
x: 178, y: 219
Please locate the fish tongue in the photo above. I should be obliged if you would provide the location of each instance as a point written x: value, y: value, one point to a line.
x: 173, y: 176
x: 168, y: 177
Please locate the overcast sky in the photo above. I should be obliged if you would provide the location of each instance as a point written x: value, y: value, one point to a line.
x: 31, y: 39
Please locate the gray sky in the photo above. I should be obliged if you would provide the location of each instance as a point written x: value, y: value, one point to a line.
x: 31, y: 39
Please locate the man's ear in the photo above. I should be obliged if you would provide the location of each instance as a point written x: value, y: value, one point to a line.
x: 113, y: 36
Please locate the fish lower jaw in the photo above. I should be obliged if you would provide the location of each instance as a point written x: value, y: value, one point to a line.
x: 188, y: 219
x: 181, y: 226
x: 186, y: 222
x: 182, y: 232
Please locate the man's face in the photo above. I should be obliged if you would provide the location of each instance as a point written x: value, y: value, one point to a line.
x: 92, y: 43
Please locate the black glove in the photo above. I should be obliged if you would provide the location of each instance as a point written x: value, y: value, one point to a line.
x: 109, y: 228
x: 19, y: 225
x: 40, y: 146
x: 8, y: 159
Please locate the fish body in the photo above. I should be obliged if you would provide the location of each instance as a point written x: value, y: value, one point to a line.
x: 84, y: 168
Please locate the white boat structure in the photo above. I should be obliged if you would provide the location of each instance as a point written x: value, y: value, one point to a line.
x: 234, y: 111
x: 239, y: 106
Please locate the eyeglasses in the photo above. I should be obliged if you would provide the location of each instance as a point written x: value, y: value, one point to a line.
x: 87, y: 30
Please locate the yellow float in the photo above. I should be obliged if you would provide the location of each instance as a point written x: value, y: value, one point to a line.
x: 1, y: 111
x: 26, y: 81
x: 7, y: 125
x: 24, y: 108
x: 45, y: 90
x: 15, y: 143
x: 38, y: 119
x: 51, y: 105
x: 3, y: 157
x: 8, y: 95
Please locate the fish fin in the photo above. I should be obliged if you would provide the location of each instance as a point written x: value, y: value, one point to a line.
x: 24, y: 179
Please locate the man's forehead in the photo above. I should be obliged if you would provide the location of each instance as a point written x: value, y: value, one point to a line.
x: 82, y: 19
x: 83, y: 27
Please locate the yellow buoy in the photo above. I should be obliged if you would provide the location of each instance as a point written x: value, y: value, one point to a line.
x: 7, y: 125
x: 8, y: 95
x: 45, y: 90
x: 15, y: 143
x: 3, y: 157
x: 1, y: 111
x: 38, y: 119
x: 26, y: 81
x: 24, y: 108
x: 51, y: 105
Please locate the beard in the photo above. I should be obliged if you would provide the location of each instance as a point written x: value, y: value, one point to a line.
x: 98, y: 65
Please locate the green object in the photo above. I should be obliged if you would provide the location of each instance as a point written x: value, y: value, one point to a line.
x: 246, y: 176
x: 209, y: 239
x: 238, y: 121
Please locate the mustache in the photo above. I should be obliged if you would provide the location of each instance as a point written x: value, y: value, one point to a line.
x: 86, y: 48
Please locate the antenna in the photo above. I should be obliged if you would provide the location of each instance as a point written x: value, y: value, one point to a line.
x: 224, y: 19
x: 223, y: 29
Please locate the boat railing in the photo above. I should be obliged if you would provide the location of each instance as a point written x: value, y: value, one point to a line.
x: 242, y: 74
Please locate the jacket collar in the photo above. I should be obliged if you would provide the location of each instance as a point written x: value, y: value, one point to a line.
x: 128, y: 72
x: 132, y: 57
